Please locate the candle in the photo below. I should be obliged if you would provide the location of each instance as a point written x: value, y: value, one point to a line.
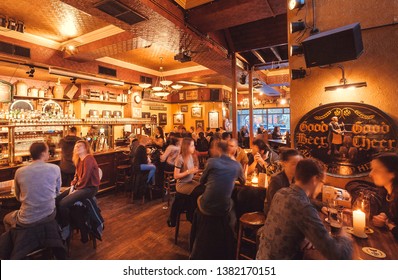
x: 359, y: 219
x: 255, y: 180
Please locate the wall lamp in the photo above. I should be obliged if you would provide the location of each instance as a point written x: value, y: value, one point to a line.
x: 296, y: 4
x: 296, y: 26
x: 344, y: 84
x: 66, y: 73
x: 298, y: 74
x: 296, y: 50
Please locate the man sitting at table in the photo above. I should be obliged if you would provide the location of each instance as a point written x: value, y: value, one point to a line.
x: 292, y: 219
x: 36, y: 187
x: 237, y: 153
x: 212, y: 229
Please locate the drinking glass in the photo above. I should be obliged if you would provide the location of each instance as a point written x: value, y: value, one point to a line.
x: 335, y: 217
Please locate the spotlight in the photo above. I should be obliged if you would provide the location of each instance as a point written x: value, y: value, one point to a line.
x: 296, y: 4
x: 298, y: 74
x: 296, y: 50
x: 296, y: 26
x: 31, y: 71
x: 3, y: 21
x: 12, y: 25
x: 20, y: 26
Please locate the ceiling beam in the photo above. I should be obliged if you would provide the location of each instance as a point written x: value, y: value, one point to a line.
x: 258, y: 55
x: 224, y: 14
x: 276, y: 53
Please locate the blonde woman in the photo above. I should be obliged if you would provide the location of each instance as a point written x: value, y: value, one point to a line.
x: 84, y: 185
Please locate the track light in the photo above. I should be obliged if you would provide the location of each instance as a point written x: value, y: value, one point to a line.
x: 296, y: 26
x: 31, y: 71
x: 296, y: 50
x: 296, y: 4
x: 298, y: 74
x: 343, y: 83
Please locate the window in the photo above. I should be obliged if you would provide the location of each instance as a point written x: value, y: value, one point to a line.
x: 269, y: 118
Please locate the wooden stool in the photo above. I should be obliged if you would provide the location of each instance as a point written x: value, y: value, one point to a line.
x: 252, y: 221
x: 138, y: 179
x: 169, y: 182
x: 178, y: 226
x: 122, y: 175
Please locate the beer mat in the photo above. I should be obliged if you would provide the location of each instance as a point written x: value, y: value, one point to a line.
x: 350, y: 230
x: 374, y: 252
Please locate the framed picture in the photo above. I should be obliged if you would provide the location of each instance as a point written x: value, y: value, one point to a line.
x: 213, y: 119
x: 146, y: 115
x: 200, y: 124
x: 191, y: 95
x: 181, y: 96
x: 196, y: 112
x: 184, y: 108
x: 137, y: 113
x: 5, y: 92
x: 178, y: 119
x: 162, y: 119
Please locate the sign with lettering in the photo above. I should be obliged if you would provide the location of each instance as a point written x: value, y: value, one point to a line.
x: 346, y: 136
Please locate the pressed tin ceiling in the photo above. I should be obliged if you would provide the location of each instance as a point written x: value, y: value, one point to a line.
x: 149, y: 57
x: 52, y: 20
x: 188, y: 4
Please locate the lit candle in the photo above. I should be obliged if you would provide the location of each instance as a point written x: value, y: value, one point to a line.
x: 255, y: 180
x: 359, y: 219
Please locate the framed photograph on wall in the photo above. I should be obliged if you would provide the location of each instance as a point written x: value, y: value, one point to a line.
x: 196, y: 112
x: 200, y: 124
x: 162, y: 119
x: 191, y: 95
x: 181, y: 96
x: 5, y: 92
x: 184, y: 108
x: 213, y: 120
x: 146, y: 115
x: 137, y: 113
x: 178, y: 119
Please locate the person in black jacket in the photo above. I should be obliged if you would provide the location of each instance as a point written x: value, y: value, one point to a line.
x: 289, y: 159
x: 385, y: 173
x: 67, y: 167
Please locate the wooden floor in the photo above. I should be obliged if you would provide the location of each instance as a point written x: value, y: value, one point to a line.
x: 134, y: 232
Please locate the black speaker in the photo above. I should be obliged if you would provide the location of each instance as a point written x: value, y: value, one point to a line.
x: 214, y: 94
x: 337, y: 45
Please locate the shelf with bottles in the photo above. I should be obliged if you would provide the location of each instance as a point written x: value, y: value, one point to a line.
x: 43, y: 98
x: 98, y: 101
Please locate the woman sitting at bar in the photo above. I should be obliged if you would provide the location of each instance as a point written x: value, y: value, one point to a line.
x: 385, y: 173
x: 261, y: 158
x: 170, y: 154
x: 142, y: 162
x: 159, y: 137
x: 188, y: 190
x: 84, y: 185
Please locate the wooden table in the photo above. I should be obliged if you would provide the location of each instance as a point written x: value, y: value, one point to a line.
x: 278, y: 142
x: 381, y: 239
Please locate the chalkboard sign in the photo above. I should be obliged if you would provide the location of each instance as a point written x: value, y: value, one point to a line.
x: 346, y: 136
x: 5, y: 92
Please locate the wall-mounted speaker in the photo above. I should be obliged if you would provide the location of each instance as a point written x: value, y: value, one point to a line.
x: 337, y: 45
x: 214, y: 94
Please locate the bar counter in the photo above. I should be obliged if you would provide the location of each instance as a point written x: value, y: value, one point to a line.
x: 107, y: 161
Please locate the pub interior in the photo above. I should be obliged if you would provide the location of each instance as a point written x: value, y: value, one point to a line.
x: 163, y: 130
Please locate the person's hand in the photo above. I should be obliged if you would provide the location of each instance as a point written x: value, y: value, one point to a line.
x: 194, y: 170
x: 379, y: 220
x: 325, y: 210
x: 390, y: 224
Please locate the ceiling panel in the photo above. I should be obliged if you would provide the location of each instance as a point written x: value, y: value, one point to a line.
x: 53, y: 19
x: 150, y: 57
x: 189, y: 4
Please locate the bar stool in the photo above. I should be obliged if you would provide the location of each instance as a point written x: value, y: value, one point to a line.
x: 252, y: 221
x: 140, y: 186
x: 122, y: 176
x: 169, y: 183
